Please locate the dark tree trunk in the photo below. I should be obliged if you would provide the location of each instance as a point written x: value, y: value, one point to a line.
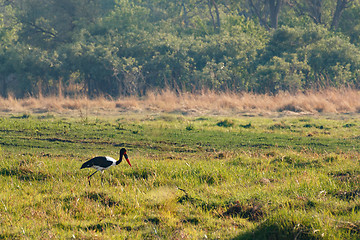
x: 4, y: 87
x: 274, y: 6
x: 186, y: 18
x: 90, y: 87
x: 315, y: 11
x: 311, y: 8
x: 217, y: 14
x: 341, y: 5
x: 256, y: 11
x: 211, y: 15
x: 215, y: 23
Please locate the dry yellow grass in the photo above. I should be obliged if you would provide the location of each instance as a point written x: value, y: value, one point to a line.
x: 207, y: 102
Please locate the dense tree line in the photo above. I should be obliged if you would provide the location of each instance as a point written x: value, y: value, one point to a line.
x: 128, y: 47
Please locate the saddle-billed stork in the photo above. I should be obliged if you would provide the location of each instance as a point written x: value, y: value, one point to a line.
x: 103, y: 163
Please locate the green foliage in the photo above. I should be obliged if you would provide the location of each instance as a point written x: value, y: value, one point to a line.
x: 122, y: 47
x: 350, y: 24
x: 296, y: 59
x: 334, y: 62
x: 280, y: 75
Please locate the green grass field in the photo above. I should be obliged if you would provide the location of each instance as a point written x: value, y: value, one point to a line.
x: 192, y: 177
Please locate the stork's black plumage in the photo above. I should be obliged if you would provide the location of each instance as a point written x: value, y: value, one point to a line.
x: 103, y: 163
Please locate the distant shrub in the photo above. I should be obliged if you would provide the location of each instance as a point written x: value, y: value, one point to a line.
x: 279, y: 126
x: 190, y: 127
x: 225, y: 123
x: 246, y: 125
x: 23, y: 116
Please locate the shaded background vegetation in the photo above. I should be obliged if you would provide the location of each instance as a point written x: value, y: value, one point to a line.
x: 127, y: 47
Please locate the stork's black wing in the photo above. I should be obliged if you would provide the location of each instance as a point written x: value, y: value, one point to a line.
x: 97, y: 161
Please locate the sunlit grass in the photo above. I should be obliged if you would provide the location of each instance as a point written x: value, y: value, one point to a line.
x: 257, y: 178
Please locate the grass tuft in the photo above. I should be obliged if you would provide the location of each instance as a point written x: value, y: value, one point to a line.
x: 253, y: 211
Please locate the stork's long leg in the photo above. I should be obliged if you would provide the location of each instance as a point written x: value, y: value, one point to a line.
x: 91, y: 175
x: 102, y: 183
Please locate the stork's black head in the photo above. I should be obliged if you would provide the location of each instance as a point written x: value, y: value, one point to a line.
x: 123, y: 153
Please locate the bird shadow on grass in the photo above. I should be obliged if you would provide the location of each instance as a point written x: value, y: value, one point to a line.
x: 99, y: 197
x: 103, y: 198
x: 97, y: 227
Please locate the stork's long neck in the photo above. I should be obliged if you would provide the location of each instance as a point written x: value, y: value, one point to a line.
x: 120, y: 159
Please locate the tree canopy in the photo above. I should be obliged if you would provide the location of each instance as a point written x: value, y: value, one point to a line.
x: 128, y: 47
